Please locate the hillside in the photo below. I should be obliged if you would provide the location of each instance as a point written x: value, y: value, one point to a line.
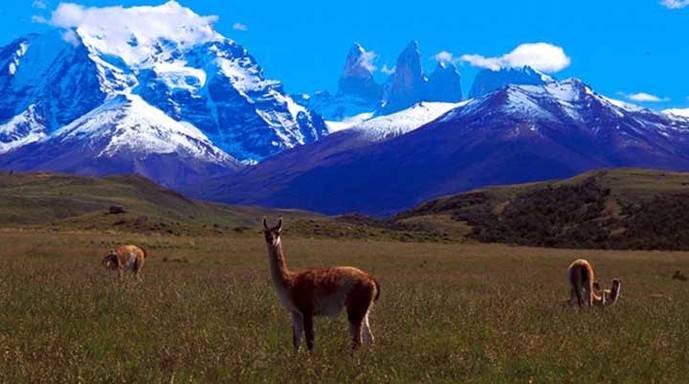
x: 43, y: 201
x: 618, y: 209
x: 73, y: 202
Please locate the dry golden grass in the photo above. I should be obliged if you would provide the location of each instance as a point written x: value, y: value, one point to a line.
x: 447, y: 313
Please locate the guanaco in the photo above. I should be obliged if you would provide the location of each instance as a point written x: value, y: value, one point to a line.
x: 321, y: 292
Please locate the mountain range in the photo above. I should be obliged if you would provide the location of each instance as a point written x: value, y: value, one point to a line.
x: 191, y: 109
x: 516, y: 134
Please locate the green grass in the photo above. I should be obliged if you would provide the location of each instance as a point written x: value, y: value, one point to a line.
x: 447, y: 313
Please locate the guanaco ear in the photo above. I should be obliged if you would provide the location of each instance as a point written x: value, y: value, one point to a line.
x: 265, y: 223
x: 279, y: 227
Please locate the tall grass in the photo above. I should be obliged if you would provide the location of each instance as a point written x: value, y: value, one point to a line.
x: 447, y: 313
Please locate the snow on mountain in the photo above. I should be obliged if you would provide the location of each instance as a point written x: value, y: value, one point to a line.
x: 168, y: 55
x: 677, y: 112
x: 624, y: 105
x: 515, y: 134
x: 374, y: 128
x: 21, y: 130
x: 125, y: 135
x: 336, y: 126
x: 52, y: 75
x: 388, y: 126
x: 127, y: 125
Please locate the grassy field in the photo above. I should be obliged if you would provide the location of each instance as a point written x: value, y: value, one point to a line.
x: 206, y: 312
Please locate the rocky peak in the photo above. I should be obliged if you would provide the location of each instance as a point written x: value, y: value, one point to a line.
x: 444, y: 84
x: 408, y: 83
x: 357, y: 76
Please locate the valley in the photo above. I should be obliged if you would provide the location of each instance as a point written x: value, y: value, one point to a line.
x: 605, y: 209
x: 145, y: 149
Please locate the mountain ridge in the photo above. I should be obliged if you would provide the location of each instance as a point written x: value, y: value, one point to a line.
x: 512, y: 135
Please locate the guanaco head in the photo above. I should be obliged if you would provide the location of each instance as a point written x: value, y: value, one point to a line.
x: 272, y: 234
x: 110, y: 260
x: 615, y: 291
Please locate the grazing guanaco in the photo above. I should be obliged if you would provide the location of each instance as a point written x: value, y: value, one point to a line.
x: 582, y: 281
x: 126, y: 257
x: 321, y: 292
x: 585, y: 290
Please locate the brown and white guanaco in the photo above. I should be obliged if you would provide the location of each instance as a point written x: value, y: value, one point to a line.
x: 321, y: 292
x: 585, y: 290
x: 126, y: 257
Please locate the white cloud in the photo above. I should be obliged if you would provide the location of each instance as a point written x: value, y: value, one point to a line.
x: 40, y: 4
x: 367, y: 59
x: 444, y: 57
x: 387, y: 70
x: 115, y: 29
x: 492, y: 63
x: 675, y: 4
x: 544, y: 57
x: 644, y: 97
x: 71, y: 37
x: 39, y: 20
x: 240, y: 27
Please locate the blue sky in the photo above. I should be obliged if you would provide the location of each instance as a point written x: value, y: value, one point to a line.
x: 620, y: 47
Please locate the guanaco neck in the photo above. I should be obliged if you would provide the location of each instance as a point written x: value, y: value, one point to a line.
x: 278, y: 264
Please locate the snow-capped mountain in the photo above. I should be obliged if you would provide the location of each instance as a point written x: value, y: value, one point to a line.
x: 512, y: 135
x: 280, y: 170
x: 125, y: 135
x: 386, y: 127
x: 488, y: 80
x: 50, y: 79
x: 182, y: 67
